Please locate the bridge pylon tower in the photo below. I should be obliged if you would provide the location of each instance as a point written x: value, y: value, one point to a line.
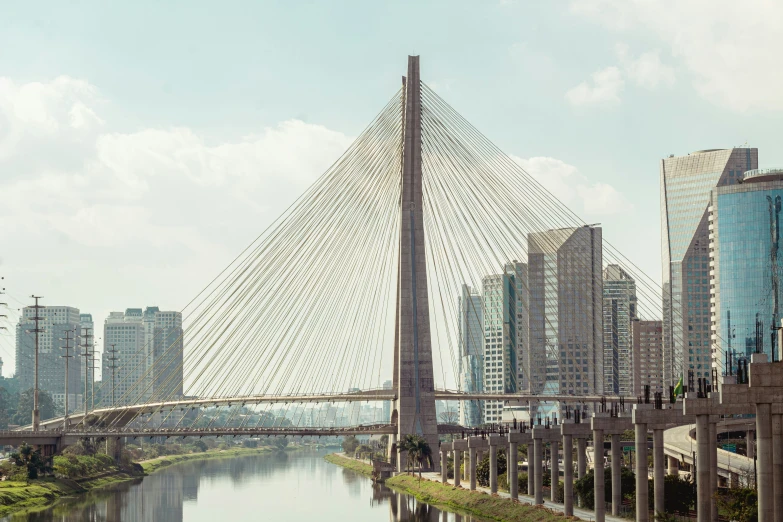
x: 414, y: 409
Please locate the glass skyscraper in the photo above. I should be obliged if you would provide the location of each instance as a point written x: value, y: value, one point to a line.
x: 686, y: 184
x: 745, y: 218
x: 471, y: 350
x: 500, y: 339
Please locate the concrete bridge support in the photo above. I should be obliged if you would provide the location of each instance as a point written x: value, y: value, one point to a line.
x: 598, y: 475
x: 713, y: 469
x: 642, y: 480
x: 658, y: 472
x: 568, y: 475
x: 460, y: 446
x: 765, y: 476
x: 703, y: 479
x: 673, y: 466
x: 512, y: 467
x: 554, y: 473
x: 444, y: 461
x: 531, y: 471
x: 475, y: 444
x: 777, y: 463
x: 494, y: 442
x: 538, y: 484
x: 617, y: 492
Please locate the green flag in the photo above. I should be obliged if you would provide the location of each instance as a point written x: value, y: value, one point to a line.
x: 678, y: 388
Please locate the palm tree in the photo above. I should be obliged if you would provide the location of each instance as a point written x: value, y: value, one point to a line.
x: 419, y: 451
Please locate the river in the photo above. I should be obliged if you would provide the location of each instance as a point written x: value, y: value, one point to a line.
x: 252, y: 487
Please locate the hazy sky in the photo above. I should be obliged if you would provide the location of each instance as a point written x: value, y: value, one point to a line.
x: 144, y: 144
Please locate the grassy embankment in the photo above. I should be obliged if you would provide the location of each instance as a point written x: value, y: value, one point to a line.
x: 153, y: 465
x: 472, y: 502
x: 90, y: 473
x: 352, y: 464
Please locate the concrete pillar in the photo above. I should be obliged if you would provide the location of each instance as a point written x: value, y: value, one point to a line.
x: 713, y: 471
x: 568, y: 475
x: 473, y: 465
x: 581, y: 460
x: 531, y: 471
x: 777, y: 463
x: 444, y: 468
x: 466, y: 466
x: 658, y: 475
x: 457, y: 464
x: 598, y: 474
x: 703, y: 493
x: 750, y: 440
x: 493, y: 469
x: 764, y: 462
x: 674, y: 466
x: 512, y: 467
x: 555, y: 470
x: 642, y: 480
x: 538, y: 485
x: 617, y: 491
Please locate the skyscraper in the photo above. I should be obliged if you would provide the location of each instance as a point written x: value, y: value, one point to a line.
x: 149, y: 350
x: 746, y: 265
x: 648, y: 356
x: 387, y: 385
x: 619, y: 309
x: 565, y: 281
x: 471, y: 351
x: 501, y: 347
x: 686, y: 185
x: 55, y: 322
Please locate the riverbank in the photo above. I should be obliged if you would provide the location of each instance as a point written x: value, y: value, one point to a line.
x: 16, y: 496
x: 153, y: 465
x: 350, y: 463
x: 471, y: 502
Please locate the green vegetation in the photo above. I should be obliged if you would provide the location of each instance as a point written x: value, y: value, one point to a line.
x: 353, y: 465
x: 418, y: 450
x: 17, y: 407
x: 153, y: 465
x: 739, y: 504
x: 471, y: 502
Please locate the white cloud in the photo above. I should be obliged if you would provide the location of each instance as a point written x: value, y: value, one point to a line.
x: 151, y: 214
x: 647, y: 70
x: 604, y: 89
x: 732, y: 49
x: 568, y: 185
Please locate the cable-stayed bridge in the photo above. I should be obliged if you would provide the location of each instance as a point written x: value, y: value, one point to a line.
x: 358, y: 282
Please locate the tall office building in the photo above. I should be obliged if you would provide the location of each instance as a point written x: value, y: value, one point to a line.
x: 168, y: 346
x: 619, y: 309
x: 54, y: 322
x: 149, y: 347
x: 686, y: 185
x: 503, y: 296
x: 565, y: 282
x: 648, y: 356
x: 471, y: 351
x: 746, y: 265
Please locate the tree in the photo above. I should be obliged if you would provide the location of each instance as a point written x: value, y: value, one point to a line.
x: 584, y: 486
x: 24, y: 409
x: 679, y: 494
x: 200, y: 445
x: 29, y: 458
x: 418, y: 449
x: 739, y: 504
x: 482, y: 470
x: 350, y: 444
x: 5, y: 414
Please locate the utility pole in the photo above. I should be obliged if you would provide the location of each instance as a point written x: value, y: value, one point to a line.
x: 87, y: 336
x: 66, y: 357
x: 36, y: 318
x: 113, y: 365
x: 92, y: 378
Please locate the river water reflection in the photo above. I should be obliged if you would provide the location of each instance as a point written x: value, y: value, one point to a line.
x: 253, y: 487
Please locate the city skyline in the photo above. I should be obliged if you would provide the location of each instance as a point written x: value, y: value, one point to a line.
x: 81, y: 190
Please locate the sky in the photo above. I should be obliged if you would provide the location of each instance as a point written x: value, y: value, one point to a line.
x: 143, y: 145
